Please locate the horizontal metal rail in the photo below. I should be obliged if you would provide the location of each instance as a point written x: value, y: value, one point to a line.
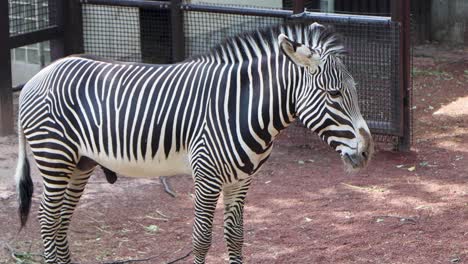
x: 286, y: 13
x: 130, y: 3
x: 52, y: 32
x: 383, y: 127
x: 238, y: 10
x: 345, y: 17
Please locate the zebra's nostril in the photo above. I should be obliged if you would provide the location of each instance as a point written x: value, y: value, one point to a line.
x: 364, y: 154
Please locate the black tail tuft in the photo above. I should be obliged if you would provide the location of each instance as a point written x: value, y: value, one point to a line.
x: 110, y: 175
x: 25, y: 188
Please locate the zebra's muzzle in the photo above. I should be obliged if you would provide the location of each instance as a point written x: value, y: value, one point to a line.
x: 355, y: 161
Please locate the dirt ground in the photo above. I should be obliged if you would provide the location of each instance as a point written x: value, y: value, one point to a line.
x: 302, y: 207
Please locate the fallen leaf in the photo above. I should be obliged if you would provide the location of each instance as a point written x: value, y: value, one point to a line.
x: 412, y: 168
x: 152, y: 228
x: 422, y: 207
x: 400, y: 166
x: 424, y: 163
x: 308, y: 219
x: 378, y: 220
x: 300, y: 162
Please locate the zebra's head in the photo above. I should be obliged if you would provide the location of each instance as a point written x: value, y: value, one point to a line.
x: 326, y: 97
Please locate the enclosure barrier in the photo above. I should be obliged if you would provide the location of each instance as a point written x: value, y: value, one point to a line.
x: 167, y: 32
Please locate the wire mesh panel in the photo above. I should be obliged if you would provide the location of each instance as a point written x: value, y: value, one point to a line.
x: 373, y: 58
x: 31, y: 15
x: 205, y: 30
x: 373, y: 62
x: 143, y: 33
x: 127, y: 33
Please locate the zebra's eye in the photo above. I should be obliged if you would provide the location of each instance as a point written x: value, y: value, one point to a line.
x: 334, y: 93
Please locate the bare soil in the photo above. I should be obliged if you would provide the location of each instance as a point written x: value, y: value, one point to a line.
x: 302, y: 207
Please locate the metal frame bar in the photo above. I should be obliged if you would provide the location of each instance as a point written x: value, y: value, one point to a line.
x: 401, y: 13
x: 130, y: 3
x: 238, y: 10
x: 57, y: 45
x: 298, y: 6
x: 350, y: 18
x: 73, y: 28
x: 6, y: 93
x: 177, y: 34
x: 48, y: 33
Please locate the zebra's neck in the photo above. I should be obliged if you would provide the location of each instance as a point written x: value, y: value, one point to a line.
x: 256, y: 89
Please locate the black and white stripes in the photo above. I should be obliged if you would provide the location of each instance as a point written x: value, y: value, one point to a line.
x: 213, y: 116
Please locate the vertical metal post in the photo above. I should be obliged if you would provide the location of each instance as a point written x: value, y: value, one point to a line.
x: 299, y: 6
x: 400, y: 10
x: 156, y: 46
x: 73, y: 27
x: 177, y: 24
x: 6, y: 92
x: 56, y: 10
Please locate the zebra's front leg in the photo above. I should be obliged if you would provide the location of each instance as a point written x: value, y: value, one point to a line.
x: 206, y: 197
x: 73, y: 193
x: 234, y: 197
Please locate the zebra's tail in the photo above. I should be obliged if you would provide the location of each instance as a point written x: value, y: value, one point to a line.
x: 24, y: 184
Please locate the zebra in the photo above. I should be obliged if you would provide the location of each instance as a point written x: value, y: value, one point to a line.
x: 213, y: 116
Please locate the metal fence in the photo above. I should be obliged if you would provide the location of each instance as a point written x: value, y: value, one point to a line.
x: 166, y: 32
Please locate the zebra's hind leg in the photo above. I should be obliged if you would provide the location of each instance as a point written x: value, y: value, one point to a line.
x: 206, y: 197
x: 55, y: 181
x: 64, y: 181
x: 72, y: 196
x: 234, y: 197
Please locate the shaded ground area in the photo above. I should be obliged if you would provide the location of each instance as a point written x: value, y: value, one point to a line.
x: 302, y: 208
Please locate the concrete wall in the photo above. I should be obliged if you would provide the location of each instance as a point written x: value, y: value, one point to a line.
x: 450, y: 21
x: 21, y: 72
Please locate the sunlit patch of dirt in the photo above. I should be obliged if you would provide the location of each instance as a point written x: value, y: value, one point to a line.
x: 456, y: 108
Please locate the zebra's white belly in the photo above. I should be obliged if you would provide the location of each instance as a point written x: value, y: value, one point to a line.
x: 176, y: 163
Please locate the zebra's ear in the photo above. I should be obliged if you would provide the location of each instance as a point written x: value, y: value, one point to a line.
x: 299, y: 54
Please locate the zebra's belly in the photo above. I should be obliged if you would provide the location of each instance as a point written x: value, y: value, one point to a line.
x: 176, y: 163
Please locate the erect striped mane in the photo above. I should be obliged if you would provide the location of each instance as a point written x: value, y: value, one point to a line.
x: 264, y: 41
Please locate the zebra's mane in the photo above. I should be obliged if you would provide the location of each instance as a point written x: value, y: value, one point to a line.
x: 265, y: 41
